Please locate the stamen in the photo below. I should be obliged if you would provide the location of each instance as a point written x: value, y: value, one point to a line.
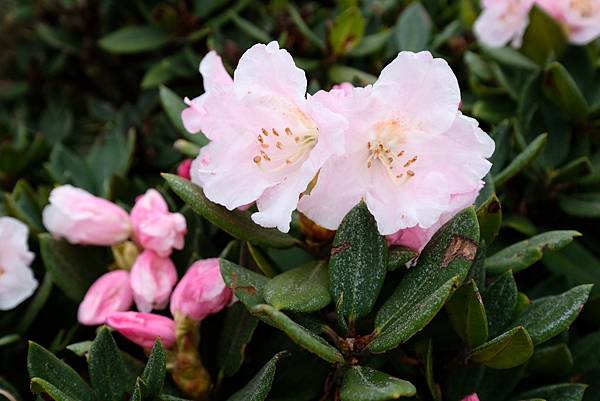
x: 410, y: 173
x: 279, y: 145
x: 288, y: 131
x: 265, y: 132
x: 260, y: 139
x: 275, y: 132
x: 401, y: 153
x: 257, y: 159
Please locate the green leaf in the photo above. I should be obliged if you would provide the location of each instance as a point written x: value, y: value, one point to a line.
x: 247, y: 285
x: 552, y: 361
x: 563, y: 91
x: 236, y: 223
x: 173, y: 105
x: 362, y: 383
x: 500, y: 299
x: 441, y: 268
x: 139, y: 391
x: 489, y: 215
x: 371, y: 43
x: 348, y: 29
x: 506, y: 351
x: 544, y: 38
x: 342, y: 73
x: 557, y: 392
x: 39, y: 386
x: 107, y: 369
x: 586, y: 353
x: 259, y: 387
x: 400, y: 256
x: 510, y: 57
x: 358, y: 264
x: 155, y: 370
x: 262, y: 261
x: 523, y: 254
x: 45, y: 367
x: 574, y: 170
x: 81, y: 348
x: 586, y: 205
x: 305, y: 29
x: 467, y: 315
x: 549, y: 316
x: 23, y: 204
x: 73, y: 268
x: 237, y: 332
x: 250, y: 29
x: 413, y: 29
x: 297, y: 333
x: 434, y: 389
x: 303, y: 289
x: 522, y: 160
x: 134, y: 39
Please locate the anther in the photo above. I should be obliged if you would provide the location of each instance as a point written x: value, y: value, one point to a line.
x: 401, y: 153
x: 288, y: 131
x: 275, y: 132
x: 257, y: 159
x: 265, y: 132
x: 410, y: 173
x: 279, y: 145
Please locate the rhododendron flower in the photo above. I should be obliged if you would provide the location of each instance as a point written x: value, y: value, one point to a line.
x: 152, y: 279
x: 268, y: 139
x: 201, y: 291
x: 410, y: 153
x: 581, y: 18
x: 472, y: 397
x: 82, y: 218
x: 16, y: 278
x: 109, y: 293
x: 154, y: 227
x: 143, y: 328
x: 183, y: 169
x: 502, y: 22
x: 416, y: 237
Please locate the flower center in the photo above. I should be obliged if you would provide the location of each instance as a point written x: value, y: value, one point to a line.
x: 279, y: 149
x: 387, y: 149
x: 584, y: 7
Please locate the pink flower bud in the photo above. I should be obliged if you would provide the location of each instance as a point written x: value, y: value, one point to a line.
x: 143, y: 328
x: 183, y: 170
x: 201, y: 291
x: 110, y: 293
x: 82, y: 218
x: 152, y: 279
x: 472, y: 397
x: 155, y: 228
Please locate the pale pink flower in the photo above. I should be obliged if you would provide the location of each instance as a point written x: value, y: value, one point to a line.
x: 416, y: 237
x: 143, y: 328
x: 268, y: 139
x: 17, y: 282
x: 580, y: 18
x: 409, y: 151
x: 201, y: 291
x: 502, y: 22
x: 154, y: 227
x: 152, y: 280
x: 472, y: 397
x: 82, y: 218
x: 109, y: 293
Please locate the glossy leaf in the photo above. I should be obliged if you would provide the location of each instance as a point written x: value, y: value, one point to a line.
x: 45, y: 367
x: 258, y: 388
x: 236, y: 223
x: 262, y: 261
x: 584, y: 205
x: 303, y: 289
x: 155, y: 370
x: 247, y: 285
x: 552, y: 361
x: 489, y: 215
x: 544, y: 38
x: 506, y: 351
x: 399, y: 257
x: 358, y: 264
x: 549, y: 316
x: 362, y: 383
x: 441, y: 268
x: 73, y: 268
x: 561, y: 89
x: 413, y: 29
x: 107, y: 369
x: 523, y: 254
x: 557, y: 392
x: 348, y: 29
x: 297, y: 333
x: 173, y: 105
x: 586, y: 353
x: 467, y: 314
x: 39, y: 386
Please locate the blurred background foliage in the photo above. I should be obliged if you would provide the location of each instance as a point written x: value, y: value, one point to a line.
x: 91, y: 91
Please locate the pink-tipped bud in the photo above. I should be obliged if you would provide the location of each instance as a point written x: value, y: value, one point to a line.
x: 345, y: 88
x: 472, y: 397
x: 143, y: 328
x: 110, y: 293
x: 152, y: 280
x: 183, y: 170
x: 155, y: 228
x: 201, y: 291
x: 82, y: 218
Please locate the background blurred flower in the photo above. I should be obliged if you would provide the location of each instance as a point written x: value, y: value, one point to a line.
x: 82, y: 218
x: 581, y: 18
x: 155, y: 228
x: 502, y: 22
x: 16, y: 278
